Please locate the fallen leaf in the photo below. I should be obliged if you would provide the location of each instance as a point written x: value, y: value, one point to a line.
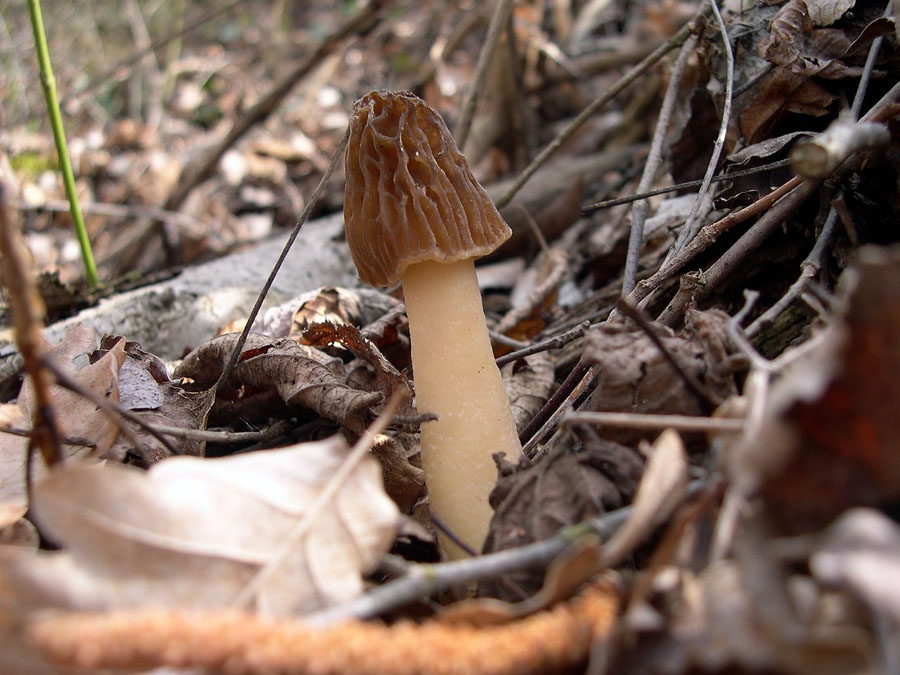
x: 192, y: 533
x: 569, y: 485
x: 75, y: 415
x: 662, y: 488
x: 860, y: 552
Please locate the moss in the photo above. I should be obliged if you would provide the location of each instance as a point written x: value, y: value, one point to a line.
x: 33, y: 164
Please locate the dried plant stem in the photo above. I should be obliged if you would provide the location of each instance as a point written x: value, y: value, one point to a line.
x: 499, y: 20
x: 809, y: 268
x: 646, y: 421
x: 750, y: 241
x: 554, y: 342
x: 28, y: 317
x: 674, y: 42
x: 703, y: 394
x: 692, y: 224
x: 110, y: 408
x: 48, y: 83
x: 608, y: 203
x: 651, y: 166
x: 425, y: 580
x: 562, y: 407
x: 706, y: 238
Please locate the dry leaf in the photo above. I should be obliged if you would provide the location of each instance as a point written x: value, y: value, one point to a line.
x: 566, y: 487
x: 861, y: 552
x: 75, y: 416
x: 637, y: 378
x: 662, y: 488
x: 835, y: 417
x: 192, y: 533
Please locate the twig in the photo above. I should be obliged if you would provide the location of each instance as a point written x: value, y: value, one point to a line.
x: 706, y: 238
x: 809, y: 268
x: 608, y: 203
x: 675, y: 41
x: 555, y: 342
x: 313, y: 200
x: 424, y: 580
x: 528, y: 449
x: 646, y: 421
x: 48, y: 84
x: 691, y: 225
x: 214, y: 436
x: 750, y: 241
x: 120, y: 211
x: 28, y: 316
x: 651, y: 166
x: 29, y: 433
x: 202, y: 169
x: 499, y: 19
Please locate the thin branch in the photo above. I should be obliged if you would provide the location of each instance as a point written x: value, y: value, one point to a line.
x: 120, y: 211
x: 691, y: 225
x: 697, y: 388
x: 111, y: 409
x: 608, y: 203
x: 646, y: 421
x: 28, y: 317
x: 706, y: 238
x: 674, y: 42
x: 563, y: 406
x: 555, y: 342
x: 651, y: 166
x: 499, y: 19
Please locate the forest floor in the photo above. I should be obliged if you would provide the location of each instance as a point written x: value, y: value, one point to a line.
x: 695, y: 318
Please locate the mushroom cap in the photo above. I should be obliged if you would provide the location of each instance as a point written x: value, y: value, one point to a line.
x: 410, y: 195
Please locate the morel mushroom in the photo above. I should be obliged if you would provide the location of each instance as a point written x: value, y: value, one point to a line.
x: 414, y: 212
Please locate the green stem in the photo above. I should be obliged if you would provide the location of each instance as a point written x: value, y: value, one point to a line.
x: 48, y: 83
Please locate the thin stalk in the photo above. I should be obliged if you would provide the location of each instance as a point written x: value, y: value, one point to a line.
x: 48, y: 84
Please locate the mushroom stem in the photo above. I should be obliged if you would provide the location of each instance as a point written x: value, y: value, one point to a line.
x: 457, y: 379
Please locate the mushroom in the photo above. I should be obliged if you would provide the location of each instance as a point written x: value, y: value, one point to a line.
x: 413, y: 212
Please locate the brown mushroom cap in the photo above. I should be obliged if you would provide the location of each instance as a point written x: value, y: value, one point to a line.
x: 410, y: 195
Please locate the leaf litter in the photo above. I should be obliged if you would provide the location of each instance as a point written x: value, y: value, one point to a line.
x: 756, y: 538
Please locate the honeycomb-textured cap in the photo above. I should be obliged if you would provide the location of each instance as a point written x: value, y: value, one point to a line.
x: 410, y: 195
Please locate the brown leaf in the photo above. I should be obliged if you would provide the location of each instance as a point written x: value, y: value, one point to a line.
x: 193, y: 533
x: 75, y: 415
x: 837, y: 415
x: 302, y: 380
x: 636, y: 377
x: 567, y: 487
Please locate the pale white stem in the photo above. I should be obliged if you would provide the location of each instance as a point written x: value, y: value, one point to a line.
x: 456, y: 378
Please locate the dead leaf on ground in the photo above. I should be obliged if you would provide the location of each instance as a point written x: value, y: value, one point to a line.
x: 145, y: 539
x: 835, y: 417
x: 76, y: 416
x: 636, y: 377
x: 568, y: 486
